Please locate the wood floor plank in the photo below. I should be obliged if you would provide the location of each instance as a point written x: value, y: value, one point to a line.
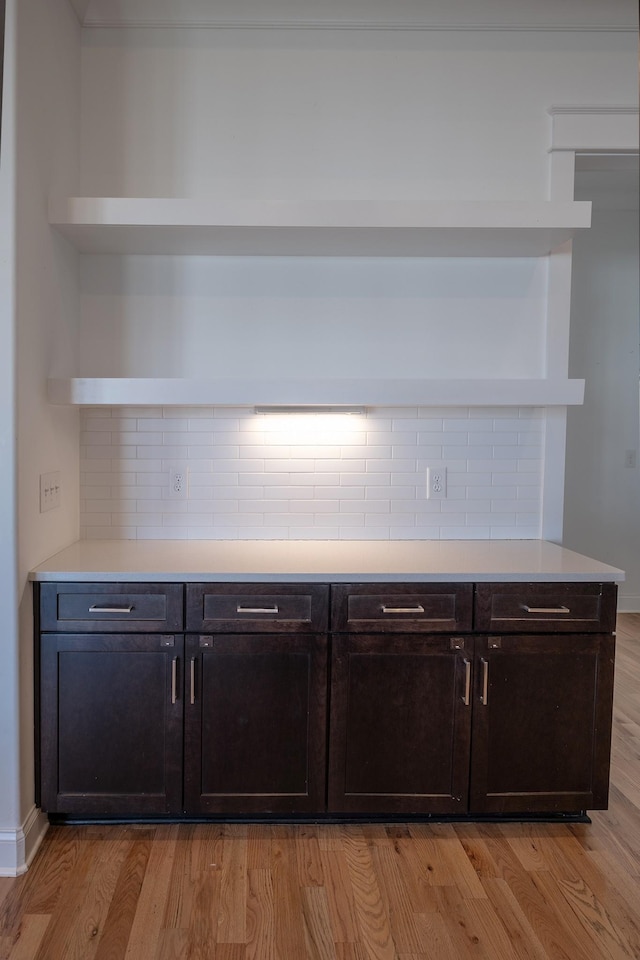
x: 351, y: 951
x: 585, y: 942
x: 173, y: 945
x: 398, y: 905
x: 259, y: 847
x: 124, y: 902
x: 290, y: 939
x: 500, y: 863
x: 32, y: 931
x: 433, y: 930
x: 627, y: 894
x: 464, y: 938
x: 373, y: 921
x: 588, y: 890
x: 308, y: 858
x: 186, y: 866
x: 260, y: 916
x: 485, y: 927
x: 618, y: 830
x: 6, y: 946
x: 447, y: 862
x: 232, y: 914
x: 40, y: 889
x: 330, y: 837
x: 200, y: 916
x: 522, y: 935
x: 148, y: 920
x: 6, y: 886
x: 524, y: 846
x: 226, y: 951
x: 71, y: 931
x: 317, y: 924
x: 340, y: 900
x: 416, y: 875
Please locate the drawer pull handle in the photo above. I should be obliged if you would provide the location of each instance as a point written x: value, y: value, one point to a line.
x: 417, y: 609
x: 193, y: 680
x: 467, y: 683
x: 484, y: 697
x: 259, y: 610
x: 545, y: 609
x: 96, y: 609
x: 174, y: 680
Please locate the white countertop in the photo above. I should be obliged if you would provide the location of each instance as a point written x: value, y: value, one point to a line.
x: 321, y: 561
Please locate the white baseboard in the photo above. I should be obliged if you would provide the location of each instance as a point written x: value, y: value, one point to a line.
x: 18, y: 847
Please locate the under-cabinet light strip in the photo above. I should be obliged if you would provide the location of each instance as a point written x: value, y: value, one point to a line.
x: 302, y: 408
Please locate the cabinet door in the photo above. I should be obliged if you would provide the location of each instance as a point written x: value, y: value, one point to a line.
x: 111, y: 724
x: 255, y: 735
x: 542, y: 723
x: 400, y: 724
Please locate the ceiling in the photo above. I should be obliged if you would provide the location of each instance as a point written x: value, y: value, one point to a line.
x: 374, y: 14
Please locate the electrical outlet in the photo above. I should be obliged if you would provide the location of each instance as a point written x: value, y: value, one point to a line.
x: 436, y: 483
x: 631, y: 458
x: 178, y: 488
x: 50, y: 487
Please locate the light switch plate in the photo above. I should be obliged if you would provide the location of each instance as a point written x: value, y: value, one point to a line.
x: 50, y: 485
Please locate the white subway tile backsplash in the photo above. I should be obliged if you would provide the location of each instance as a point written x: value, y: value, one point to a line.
x: 362, y: 480
x: 140, y: 438
x: 165, y: 424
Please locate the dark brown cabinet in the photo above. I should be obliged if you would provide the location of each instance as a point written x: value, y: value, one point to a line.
x: 141, y: 724
x: 255, y: 716
x: 400, y: 724
x: 111, y: 724
x: 324, y: 700
x: 255, y: 723
x: 400, y: 698
x: 541, y: 723
x: 512, y: 723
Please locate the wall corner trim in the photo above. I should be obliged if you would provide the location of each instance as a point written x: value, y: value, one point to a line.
x: 19, y: 847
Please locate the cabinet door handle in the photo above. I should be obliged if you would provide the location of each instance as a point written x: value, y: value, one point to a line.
x: 545, y: 609
x: 96, y: 609
x: 484, y: 697
x: 193, y: 680
x: 272, y: 609
x: 467, y: 683
x: 418, y: 608
x: 174, y: 680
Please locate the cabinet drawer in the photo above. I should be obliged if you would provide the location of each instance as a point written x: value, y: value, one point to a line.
x: 109, y: 607
x: 550, y: 607
x: 257, y: 608
x: 401, y: 608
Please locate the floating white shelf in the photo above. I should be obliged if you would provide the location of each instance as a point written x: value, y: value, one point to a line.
x: 135, y: 225
x: 154, y: 391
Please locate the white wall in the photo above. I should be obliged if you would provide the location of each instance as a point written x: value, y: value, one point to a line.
x: 46, y: 317
x: 327, y: 114
x: 602, y: 495
x: 305, y: 317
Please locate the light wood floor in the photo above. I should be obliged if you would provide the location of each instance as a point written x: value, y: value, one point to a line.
x: 403, y: 892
